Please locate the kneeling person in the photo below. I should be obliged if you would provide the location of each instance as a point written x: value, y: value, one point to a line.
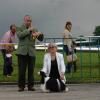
x: 53, y: 70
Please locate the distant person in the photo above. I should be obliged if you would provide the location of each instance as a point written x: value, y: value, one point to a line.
x: 27, y: 35
x: 67, y: 36
x: 53, y: 78
x: 7, y: 48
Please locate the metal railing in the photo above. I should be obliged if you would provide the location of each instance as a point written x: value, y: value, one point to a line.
x: 88, y: 63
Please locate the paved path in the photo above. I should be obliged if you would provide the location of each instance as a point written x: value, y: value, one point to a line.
x: 76, y: 92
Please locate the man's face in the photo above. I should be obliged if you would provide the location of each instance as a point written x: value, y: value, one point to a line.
x: 27, y: 21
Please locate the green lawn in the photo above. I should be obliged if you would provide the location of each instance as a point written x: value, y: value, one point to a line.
x: 88, y: 68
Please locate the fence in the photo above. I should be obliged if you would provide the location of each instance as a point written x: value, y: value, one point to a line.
x: 88, y: 63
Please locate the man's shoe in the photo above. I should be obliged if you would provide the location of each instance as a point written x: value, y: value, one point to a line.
x: 43, y: 88
x: 31, y: 89
x: 21, y: 89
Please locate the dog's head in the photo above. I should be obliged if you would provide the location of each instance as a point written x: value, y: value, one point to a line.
x: 42, y: 74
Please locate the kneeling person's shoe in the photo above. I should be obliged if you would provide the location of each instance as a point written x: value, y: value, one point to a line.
x: 66, y: 89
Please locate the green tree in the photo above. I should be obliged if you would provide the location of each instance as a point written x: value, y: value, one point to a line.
x: 97, y: 31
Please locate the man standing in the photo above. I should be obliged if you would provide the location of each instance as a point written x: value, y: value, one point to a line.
x: 7, y: 47
x: 26, y: 53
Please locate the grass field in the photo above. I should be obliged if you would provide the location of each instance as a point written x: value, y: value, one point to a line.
x: 88, y: 68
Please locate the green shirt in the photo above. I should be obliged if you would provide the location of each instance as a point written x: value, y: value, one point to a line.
x: 26, y: 44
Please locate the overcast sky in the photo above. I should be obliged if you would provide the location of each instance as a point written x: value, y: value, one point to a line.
x: 49, y: 16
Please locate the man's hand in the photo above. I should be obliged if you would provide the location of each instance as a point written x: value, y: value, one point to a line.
x: 35, y: 34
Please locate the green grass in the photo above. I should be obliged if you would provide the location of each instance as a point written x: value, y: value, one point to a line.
x: 88, y: 69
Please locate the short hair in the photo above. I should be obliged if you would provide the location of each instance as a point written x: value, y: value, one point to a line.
x: 52, y: 45
x: 27, y: 16
x: 12, y: 25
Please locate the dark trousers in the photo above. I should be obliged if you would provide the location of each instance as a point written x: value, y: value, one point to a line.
x: 68, y: 67
x: 4, y: 61
x: 68, y: 52
x: 9, y: 68
x: 25, y: 61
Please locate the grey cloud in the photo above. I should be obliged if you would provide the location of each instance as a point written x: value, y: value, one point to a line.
x: 50, y: 15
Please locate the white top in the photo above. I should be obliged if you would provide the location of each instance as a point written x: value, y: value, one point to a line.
x: 67, y: 38
x: 47, y: 63
x: 8, y: 55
